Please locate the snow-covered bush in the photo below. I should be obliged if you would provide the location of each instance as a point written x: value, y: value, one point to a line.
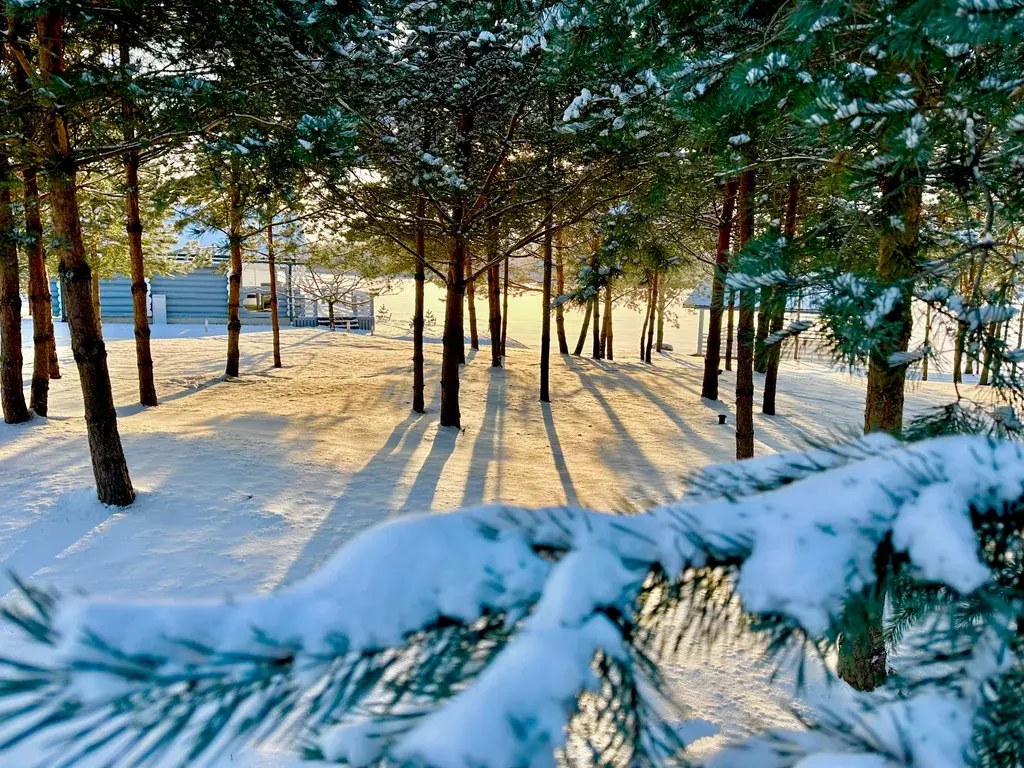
x: 493, y: 636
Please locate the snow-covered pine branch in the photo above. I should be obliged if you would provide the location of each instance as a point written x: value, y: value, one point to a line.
x: 468, y: 638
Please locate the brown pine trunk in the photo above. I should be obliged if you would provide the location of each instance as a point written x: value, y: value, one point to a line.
x: 883, y: 410
x: 713, y: 354
x: 730, y: 331
x: 647, y: 321
x: 453, y: 341
x: 494, y: 295
x: 474, y: 338
x: 275, y: 323
x: 235, y: 275
x: 773, y: 355
x: 654, y: 311
x: 608, y: 336
x: 418, y: 404
x: 583, y: 330
x: 504, y: 308
x: 745, y: 331
x: 563, y: 344
x: 97, y: 307
x: 113, y: 485
x: 927, y: 340
x: 958, y: 356
x: 763, y: 321
x: 595, y: 347
x: 43, y: 345
x: 133, y: 225
x: 986, y: 360
x: 12, y: 391
x: 545, y: 323
x: 661, y: 321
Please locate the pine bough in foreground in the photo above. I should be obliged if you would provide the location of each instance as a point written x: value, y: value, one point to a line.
x: 500, y: 637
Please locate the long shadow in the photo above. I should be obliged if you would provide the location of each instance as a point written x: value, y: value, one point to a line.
x: 559, y: 457
x: 487, y: 447
x: 631, y: 462
x: 429, y: 475
x: 372, y: 487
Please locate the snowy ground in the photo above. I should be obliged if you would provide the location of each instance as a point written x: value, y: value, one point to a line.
x: 251, y: 483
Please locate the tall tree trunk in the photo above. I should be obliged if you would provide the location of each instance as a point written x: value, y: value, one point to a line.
x: 595, y: 335
x: 97, y: 306
x: 474, y: 337
x: 773, y: 354
x: 608, y: 336
x: 418, y: 404
x: 583, y: 330
x: 958, y: 354
x: 968, y: 366
x: 648, y: 319
x: 730, y: 330
x: 275, y: 323
x: 113, y: 484
x: 927, y: 340
x: 545, y: 321
x: 235, y: 275
x: 330, y: 314
x: 563, y: 344
x: 713, y: 353
x: 494, y: 294
x: 991, y: 330
x: 453, y: 341
x: 504, y: 308
x: 901, y: 199
x: 745, y: 331
x: 661, y: 321
x: 133, y: 225
x: 654, y: 311
x: 12, y: 391
x: 43, y: 344
x: 763, y: 321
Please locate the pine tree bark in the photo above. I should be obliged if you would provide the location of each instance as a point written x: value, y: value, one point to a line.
x: 730, y: 331
x: 453, y: 340
x: 661, y: 321
x: 595, y: 336
x: 713, y: 353
x: 113, y: 484
x: 986, y: 360
x: 44, y: 347
x: 773, y: 354
x: 504, y: 308
x: 133, y: 226
x: 608, y: 335
x: 235, y: 275
x: 275, y: 323
x: 927, y: 340
x: 494, y: 294
x: 97, y: 305
x: 654, y: 312
x: 563, y: 344
x: 12, y: 391
x: 901, y: 201
x: 763, y: 321
x: 583, y: 330
x: 420, y: 278
x: 545, y: 322
x: 745, y: 331
x: 647, y: 321
x: 474, y: 337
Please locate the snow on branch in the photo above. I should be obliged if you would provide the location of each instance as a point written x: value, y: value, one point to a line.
x: 468, y: 638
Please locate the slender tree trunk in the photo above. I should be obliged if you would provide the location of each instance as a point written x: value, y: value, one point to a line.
x: 97, y: 306
x: 654, y: 311
x: 648, y: 319
x: 545, y: 322
x: 563, y: 344
x: 968, y: 367
x: 12, y: 391
x: 453, y: 341
x: 504, y: 309
x: 958, y: 354
x: 43, y: 344
x: 494, y: 294
x: 661, y: 320
x: 235, y: 276
x: 745, y: 331
x: 608, y: 335
x: 474, y: 337
x: 773, y: 354
x: 133, y: 225
x: 713, y: 354
x: 799, y: 308
x: 330, y: 315
x: 927, y: 339
x: 896, y: 261
x: 730, y: 330
x: 418, y: 404
x: 763, y: 321
x: 113, y: 484
x: 275, y: 323
x: 595, y: 335
x: 583, y: 331
x: 991, y: 332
